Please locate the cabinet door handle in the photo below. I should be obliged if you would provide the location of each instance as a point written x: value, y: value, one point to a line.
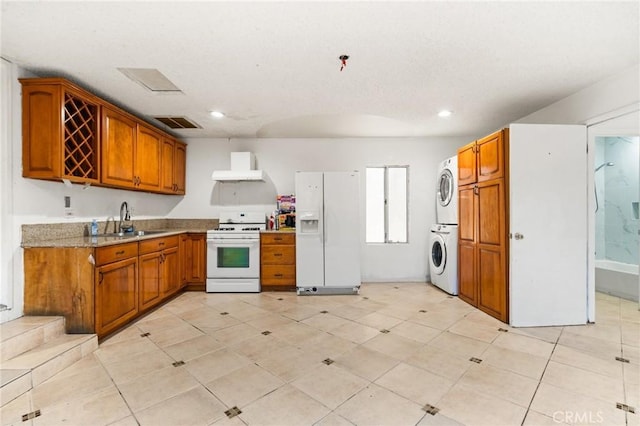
x: 277, y: 238
x: 120, y: 253
x: 476, y: 190
x: 277, y: 275
x: 277, y: 254
x: 160, y: 244
x: 100, y: 277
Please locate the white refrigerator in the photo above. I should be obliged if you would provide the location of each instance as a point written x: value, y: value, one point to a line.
x: 327, y: 232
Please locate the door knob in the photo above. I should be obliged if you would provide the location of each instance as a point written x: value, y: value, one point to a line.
x: 518, y: 236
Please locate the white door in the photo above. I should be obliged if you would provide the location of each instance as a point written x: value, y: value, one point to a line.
x: 342, y: 229
x: 548, y: 225
x: 309, y: 243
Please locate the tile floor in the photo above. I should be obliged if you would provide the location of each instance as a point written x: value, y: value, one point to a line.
x: 390, y: 356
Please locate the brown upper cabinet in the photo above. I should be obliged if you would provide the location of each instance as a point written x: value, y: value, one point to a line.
x: 174, y: 158
x: 60, y: 131
x: 69, y: 133
x: 482, y: 160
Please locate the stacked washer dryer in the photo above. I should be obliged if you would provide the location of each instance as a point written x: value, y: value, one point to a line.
x: 443, y: 259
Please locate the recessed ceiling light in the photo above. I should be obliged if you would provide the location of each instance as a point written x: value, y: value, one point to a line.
x: 444, y: 113
x: 217, y: 114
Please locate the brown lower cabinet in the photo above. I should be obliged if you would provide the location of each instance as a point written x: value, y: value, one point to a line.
x: 98, y: 290
x: 116, y: 301
x: 278, y: 261
x: 193, y: 258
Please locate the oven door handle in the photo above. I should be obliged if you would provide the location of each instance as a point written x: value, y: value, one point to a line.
x: 236, y: 242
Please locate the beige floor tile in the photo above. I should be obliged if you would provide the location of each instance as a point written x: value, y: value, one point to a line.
x: 415, y: 384
x: 260, y: 346
x: 630, y: 333
x: 194, y: 407
x: 127, y: 421
x: 351, y: 312
x: 366, y: 363
x: 521, y: 343
x: 379, y: 321
x: 233, y: 390
x: 569, y: 356
x: 131, y: 332
x: 193, y: 348
x: 296, y: 334
x: 567, y: 406
x: 156, y: 387
x: 471, y: 408
x: 462, y: 346
x: 300, y: 312
x: 356, y: 333
x: 631, y: 353
x: 100, y: 408
x: 537, y: 419
x: 245, y: 311
x: 548, y: 334
x: 128, y: 370
x: 234, y: 334
x: 124, y: 350
x: 375, y: 405
x: 503, y: 384
x: 632, y: 395
x: 334, y: 420
x: 209, y: 319
x: 475, y: 330
x: 173, y: 335
x: 419, y: 333
x: 11, y: 412
x: 286, y: 406
x: 291, y: 363
x: 440, y: 362
x: 269, y: 321
x: 438, y: 420
x: 330, y: 385
x: 66, y: 386
x: 438, y: 319
x: 608, y: 332
x: 216, y: 364
x: 325, y: 322
x: 158, y: 320
x: 597, y: 347
x: 397, y: 347
x: 515, y: 361
x: 584, y: 382
x: 631, y: 373
x: 328, y: 346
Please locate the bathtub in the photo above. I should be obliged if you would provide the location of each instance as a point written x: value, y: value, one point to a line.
x: 617, y: 279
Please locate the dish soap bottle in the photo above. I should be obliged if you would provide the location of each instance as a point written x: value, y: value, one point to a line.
x: 94, y: 227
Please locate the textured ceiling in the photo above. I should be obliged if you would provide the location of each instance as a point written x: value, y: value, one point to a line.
x: 273, y: 67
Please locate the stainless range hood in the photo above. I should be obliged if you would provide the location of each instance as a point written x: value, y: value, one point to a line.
x: 242, y: 169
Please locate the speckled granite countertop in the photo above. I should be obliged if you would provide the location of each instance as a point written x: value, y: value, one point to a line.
x: 74, y: 234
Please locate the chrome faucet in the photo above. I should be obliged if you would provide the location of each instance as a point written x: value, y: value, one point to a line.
x: 124, y: 217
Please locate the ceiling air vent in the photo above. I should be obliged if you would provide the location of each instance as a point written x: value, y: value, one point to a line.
x: 177, y: 122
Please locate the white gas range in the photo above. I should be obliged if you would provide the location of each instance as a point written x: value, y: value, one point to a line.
x: 233, y: 253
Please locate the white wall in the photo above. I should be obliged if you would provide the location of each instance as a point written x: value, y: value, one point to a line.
x: 281, y: 158
x: 611, y: 94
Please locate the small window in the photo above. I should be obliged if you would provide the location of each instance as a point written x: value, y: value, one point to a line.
x: 386, y: 204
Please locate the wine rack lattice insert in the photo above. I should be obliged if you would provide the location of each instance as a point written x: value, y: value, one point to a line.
x: 80, y: 138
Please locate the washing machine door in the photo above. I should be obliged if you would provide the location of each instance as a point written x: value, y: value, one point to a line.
x: 445, y: 187
x: 438, y: 255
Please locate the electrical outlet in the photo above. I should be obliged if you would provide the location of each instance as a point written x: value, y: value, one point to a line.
x: 68, y: 211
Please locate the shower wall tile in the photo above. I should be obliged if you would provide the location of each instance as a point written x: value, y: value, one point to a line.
x: 621, y: 188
